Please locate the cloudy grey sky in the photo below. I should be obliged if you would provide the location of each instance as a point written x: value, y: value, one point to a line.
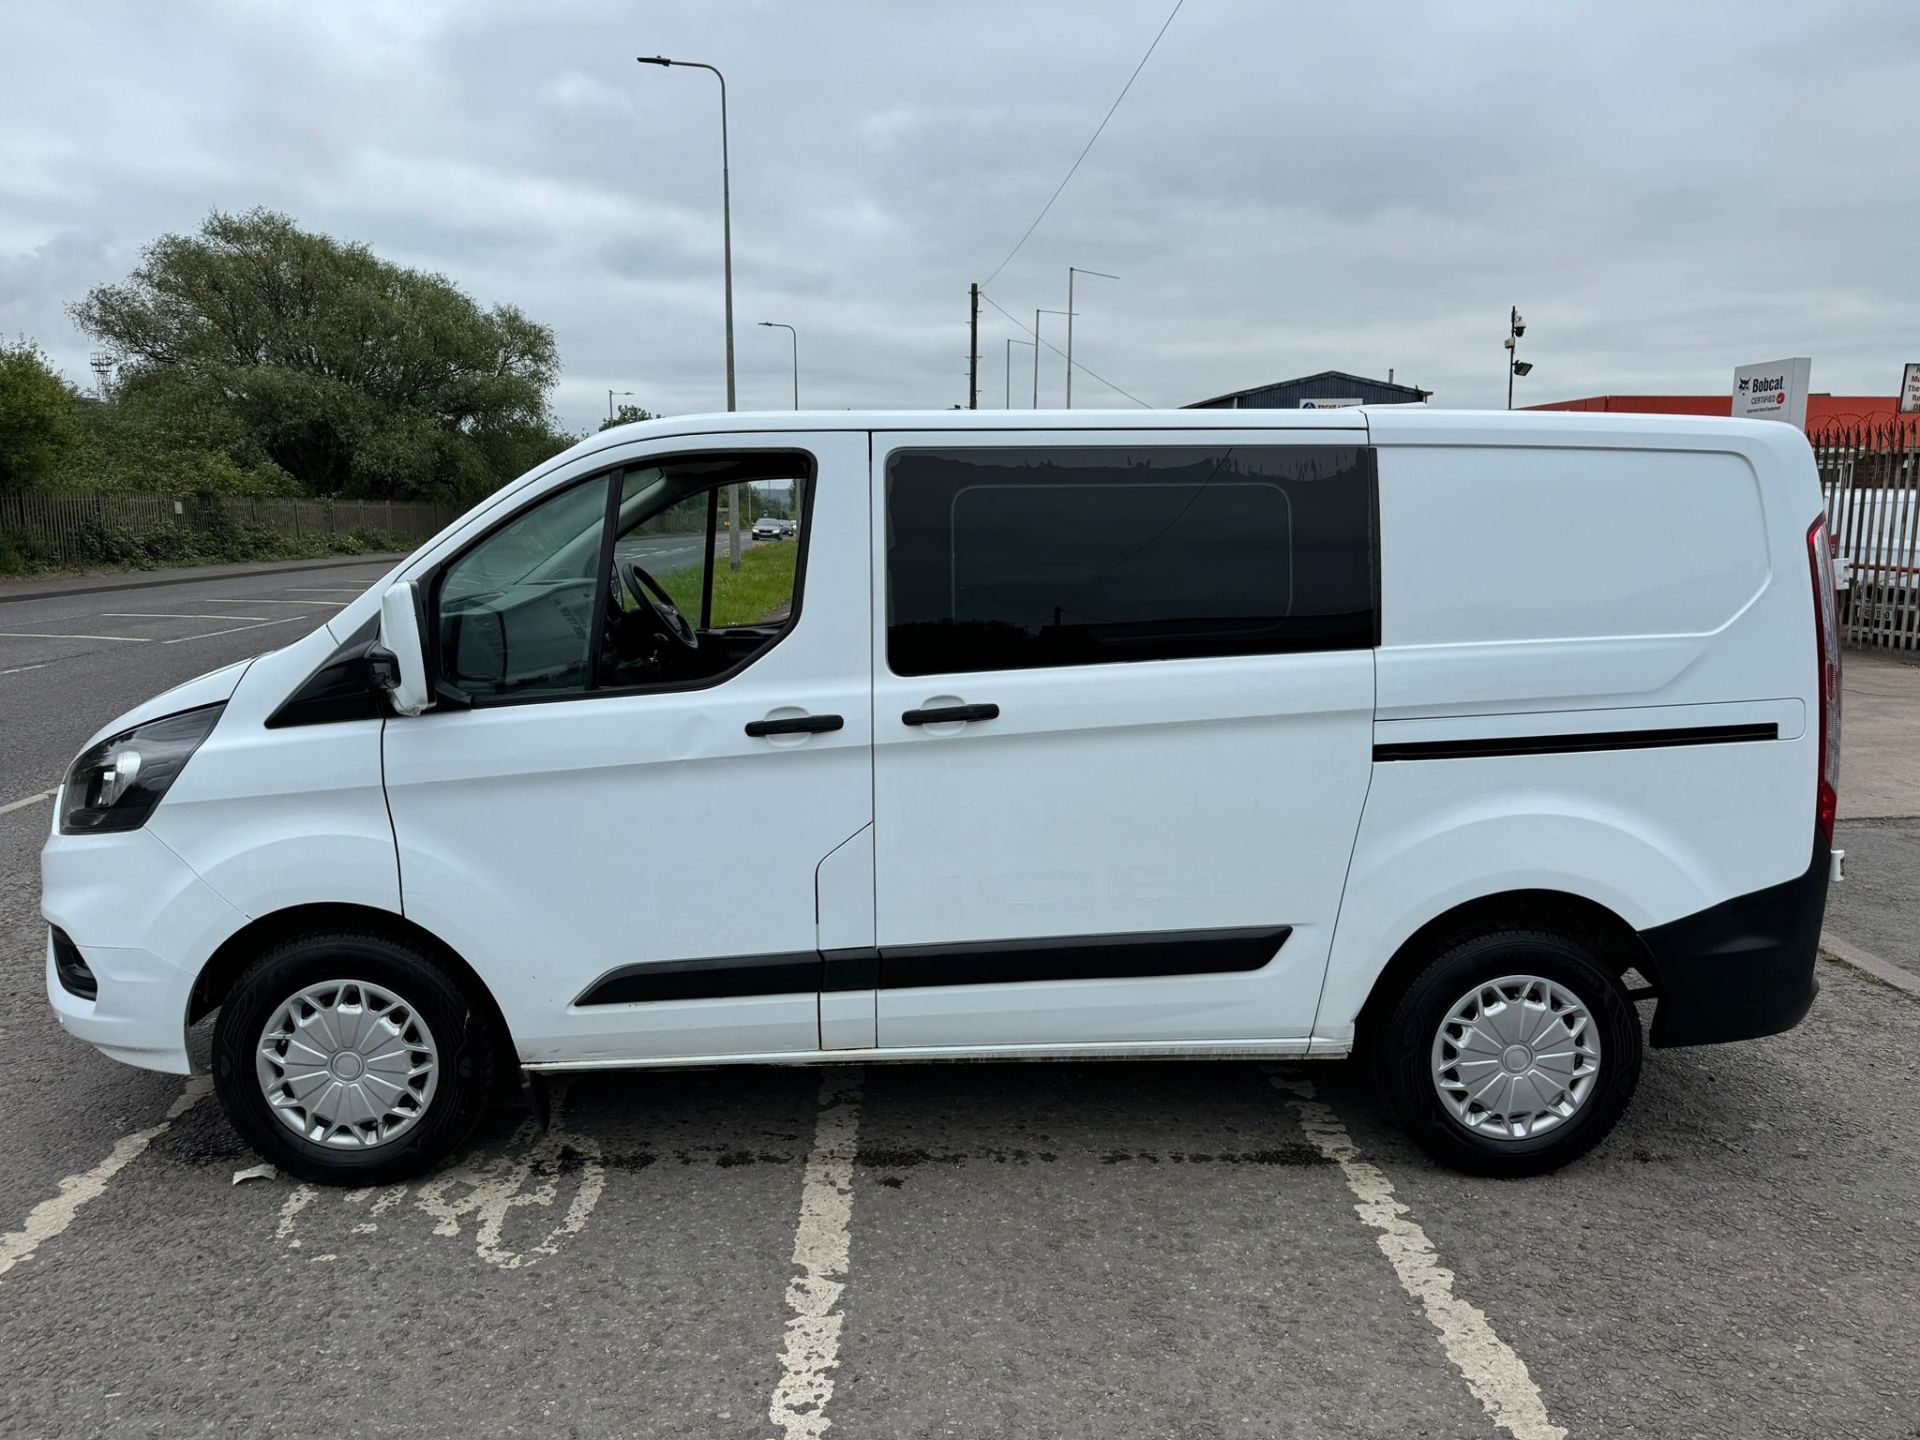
x: 1665, y: 189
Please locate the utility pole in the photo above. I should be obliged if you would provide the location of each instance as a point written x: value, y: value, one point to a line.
x: 1073, y: 270
x: 973, y: 347
x: 610, y: 395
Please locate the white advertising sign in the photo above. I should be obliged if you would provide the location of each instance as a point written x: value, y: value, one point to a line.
x: 1341, y: 404
x: 1910, y: 390
x: 1773, y: 390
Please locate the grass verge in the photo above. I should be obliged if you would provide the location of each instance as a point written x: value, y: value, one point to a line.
x: 758, y: 591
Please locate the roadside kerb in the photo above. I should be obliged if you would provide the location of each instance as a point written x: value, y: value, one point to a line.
x: 1834, y: 948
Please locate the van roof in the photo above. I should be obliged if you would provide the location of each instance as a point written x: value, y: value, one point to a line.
x: 1349, y: 418
x: 1401, y: 424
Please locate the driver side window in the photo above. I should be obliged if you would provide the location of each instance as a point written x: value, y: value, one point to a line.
x: 545, y: 607
x: 515, y: 611
x: 682, y: 612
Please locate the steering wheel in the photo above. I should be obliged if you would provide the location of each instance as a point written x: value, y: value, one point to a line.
x: 657, y: 605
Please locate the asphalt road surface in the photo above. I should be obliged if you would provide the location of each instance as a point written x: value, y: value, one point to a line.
x: 663, y: 554
x: 1879, y: 904
x: 1117, y: 1250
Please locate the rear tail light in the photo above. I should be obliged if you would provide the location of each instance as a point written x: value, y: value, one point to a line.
x: 1826, y: 620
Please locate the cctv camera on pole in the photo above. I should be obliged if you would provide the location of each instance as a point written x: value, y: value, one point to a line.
x: 1516, y: 327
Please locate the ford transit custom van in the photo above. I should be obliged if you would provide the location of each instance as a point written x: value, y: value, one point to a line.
x: 1455, y: 742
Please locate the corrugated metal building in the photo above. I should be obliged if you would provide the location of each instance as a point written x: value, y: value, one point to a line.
x: 1328, y: 388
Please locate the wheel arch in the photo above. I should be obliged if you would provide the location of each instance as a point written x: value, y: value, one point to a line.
x: 1577, y: 917
x: 217, y: 977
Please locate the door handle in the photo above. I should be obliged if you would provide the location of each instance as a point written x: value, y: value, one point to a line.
x: 796, y: 725
x: 944, y: 714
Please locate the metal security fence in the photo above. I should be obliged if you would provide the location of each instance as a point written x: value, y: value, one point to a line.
x: 1870, y: 476
x: 65, y: 528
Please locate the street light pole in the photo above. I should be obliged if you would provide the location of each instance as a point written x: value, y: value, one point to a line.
x: 610, y: 394
x: 1011, y: 342
x: 726, y: 243
x: 1036, y: 352
x: 793, y: 335
x: 1073, y: 270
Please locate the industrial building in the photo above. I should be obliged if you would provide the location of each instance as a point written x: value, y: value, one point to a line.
x: 1824, y: 411
x: 1330, y: 389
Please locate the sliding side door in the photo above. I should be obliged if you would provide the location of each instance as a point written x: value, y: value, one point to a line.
x: 1123, y: 705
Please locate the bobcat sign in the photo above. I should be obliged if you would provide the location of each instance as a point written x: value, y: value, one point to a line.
x: 1773, y: 390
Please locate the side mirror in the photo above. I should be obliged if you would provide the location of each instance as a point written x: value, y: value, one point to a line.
x: 399, y: 666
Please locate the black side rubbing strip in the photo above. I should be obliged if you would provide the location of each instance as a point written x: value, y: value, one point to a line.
x: 728, y: 977
x: 850, y: 969
x: 1476, y: 749
x: 993, y: 962
x: 1082, y: 957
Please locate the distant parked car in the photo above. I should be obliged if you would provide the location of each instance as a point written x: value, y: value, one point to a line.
x: 769, y: 528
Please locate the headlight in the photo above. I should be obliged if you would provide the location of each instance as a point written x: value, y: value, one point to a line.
x: 115, y: 785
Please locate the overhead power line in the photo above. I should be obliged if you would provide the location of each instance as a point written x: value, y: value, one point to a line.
x: 1089, y: 146
x: 1026, y: 329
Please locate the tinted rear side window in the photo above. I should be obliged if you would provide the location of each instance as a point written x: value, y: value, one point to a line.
x: 1021, y: 558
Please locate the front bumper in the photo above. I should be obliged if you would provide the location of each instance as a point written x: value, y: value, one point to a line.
x: 139, y: 1016
x: 1744, y: 968
x: 144, y: 923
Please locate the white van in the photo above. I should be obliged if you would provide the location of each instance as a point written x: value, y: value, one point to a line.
x: 1440, y: 738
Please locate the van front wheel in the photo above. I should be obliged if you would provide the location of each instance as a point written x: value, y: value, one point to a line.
x: 352, y: 1059
x: 1509, y: 1055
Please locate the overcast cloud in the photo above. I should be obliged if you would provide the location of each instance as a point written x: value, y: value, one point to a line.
x: 1665, y: 189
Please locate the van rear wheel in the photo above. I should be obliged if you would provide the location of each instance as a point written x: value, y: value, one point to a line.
x: 1511, y: 1054
x: 352, y: 1059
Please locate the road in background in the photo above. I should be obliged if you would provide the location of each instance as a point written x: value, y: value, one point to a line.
x: 70, y: 663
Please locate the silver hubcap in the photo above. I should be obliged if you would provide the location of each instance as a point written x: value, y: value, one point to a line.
x: 1515, y: 1057
x: 347, y: 1064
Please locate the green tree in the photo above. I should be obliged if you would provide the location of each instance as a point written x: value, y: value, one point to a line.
x: 39, y: 417
x: 626, y: 415
x: 286, y: 351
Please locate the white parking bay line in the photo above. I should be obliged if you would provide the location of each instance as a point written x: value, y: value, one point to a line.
x: 42, y: 635
x: 52, y: 1217
x: 256, y: 600
x: 235, y: 630
x: 22, y: 669
x: 1497, y: 1376
x: 812, y: 1352
x: 14, y: 805
x: 168, y: 615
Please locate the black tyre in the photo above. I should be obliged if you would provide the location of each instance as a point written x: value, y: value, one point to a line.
x: 1510, y: 1054
x: 353, y: 1059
